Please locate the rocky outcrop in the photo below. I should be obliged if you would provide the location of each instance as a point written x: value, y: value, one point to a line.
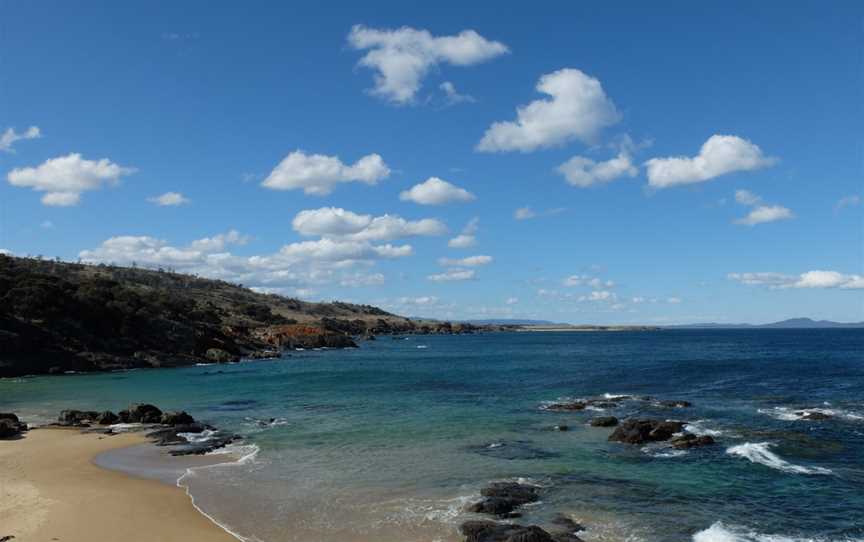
x: 489, y: 531
x: 80, y: 418
x: 641, y: 431
x: 675, y: 404
x: 10, y: 425
x: 502, y: 498
x: 141, y: 413
x: 107, y: 418
x: 176, y: 418
x: 604, y: 421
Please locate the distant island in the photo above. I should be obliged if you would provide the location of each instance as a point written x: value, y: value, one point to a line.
x: 58, y: 317
x: 792, y: 323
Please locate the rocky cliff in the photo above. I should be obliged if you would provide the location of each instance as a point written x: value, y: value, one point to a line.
x: 57, y: 317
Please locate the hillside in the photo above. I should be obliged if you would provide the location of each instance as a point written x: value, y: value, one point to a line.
x: 792, y: 323
x: 57, y: 317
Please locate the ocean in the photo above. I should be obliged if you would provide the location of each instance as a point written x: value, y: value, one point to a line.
x: 391, y: 441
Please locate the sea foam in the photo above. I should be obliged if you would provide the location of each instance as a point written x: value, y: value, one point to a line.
x: 759, y: 452
x: 721, y: 532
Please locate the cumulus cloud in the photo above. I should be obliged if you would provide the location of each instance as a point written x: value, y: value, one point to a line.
x: 295, y: 265
x: 719, y: 155
x: 524, y: 213
x: 673, y: 300
x: 318, y: 174
x: 511, y: 301
x: 452, y: 275
x: 810, y: 279
x: 764, y: 214
x: 452, y: 96
x: 401, y: 58
x: 10, y: 136
x: 169, y: 199
x: 63, y: 179
x: 470, y: 261
x: 578, y: 108
x: 418, y: 301
x: 599, y: 295
x: 746, y: 197
x: 335, y: 222
x: 527, y: 213
x: 584, y: 172
x: 586, y: 280
x: 468, y: 237
x: 435, y: 191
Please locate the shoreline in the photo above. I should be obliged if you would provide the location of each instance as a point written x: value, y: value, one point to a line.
x: 53, y: 489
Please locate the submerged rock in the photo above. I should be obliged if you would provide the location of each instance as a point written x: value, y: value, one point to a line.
x: 565, y: 407
x: 640, y: 431
x: 502, y: 498
x: 561, y: 428
x: 675, y: 404
x: 512, y: 450
x: 604, y: 421
x: 689, y: 440
x: 813, y: 415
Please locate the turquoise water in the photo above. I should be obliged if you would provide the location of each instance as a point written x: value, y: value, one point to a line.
x: 390, y: 441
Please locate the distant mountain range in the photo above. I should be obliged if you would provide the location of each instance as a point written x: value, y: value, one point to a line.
x: 792, y: 323
x: 509, y: 322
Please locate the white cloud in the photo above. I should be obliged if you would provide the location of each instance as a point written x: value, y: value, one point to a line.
x: 452, y: 95
x: 673, y: 300
x: 585, y: 280
x: 47, y: 225
x: 583, y: 172
x: 453, y: 275
x: 746, y: 197
x: 318, y: 174
x: 295, y: 265
x: 511, y: 301
x: 10, y: 136
x: 169, y: 199
x: 600, y: 295
x: 402, y: 57
x: 435, y: 191
x: 338, y: 223
x: 524, y: 213
x: 810, y: 279
x: 467, y: 238
x: 418, y: 301
x: 848, y: 201
x: 578, y: 109
x: 720, y: 155
x: 764, y: 214
x: 6, y: 252
x: 470, y: 261
x: 66, y: 177
x: 329, y: 221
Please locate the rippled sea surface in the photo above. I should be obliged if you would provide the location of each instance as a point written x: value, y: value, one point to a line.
x: 390, y: 441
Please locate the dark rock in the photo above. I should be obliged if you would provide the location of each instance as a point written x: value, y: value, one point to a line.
x: 639, y: 431
x: 9, y: 416
x: 142, y: 413
x: 566, y: 407
x: 207, y: 446
x: 6, y: 538
x: 77, y: 417
x: 675, y: 404
x: 9, y: 429
x: 603, y: 404
x: 561, y: 428
x: 689, y: 440
x: 107, y: 418
x: 217, y: 355
x: 604, y: 421
x: 488, y: 531
x: 502, y: 498
x: 176, y: 418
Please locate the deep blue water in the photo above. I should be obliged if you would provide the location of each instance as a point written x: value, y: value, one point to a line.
x: 390, y: 441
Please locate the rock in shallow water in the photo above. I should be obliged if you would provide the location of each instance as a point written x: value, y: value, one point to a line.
x: 502, y: 498
x: 489, y: 531
x: 640, y: 431
x: 689, y: 440
x: 604, y: 421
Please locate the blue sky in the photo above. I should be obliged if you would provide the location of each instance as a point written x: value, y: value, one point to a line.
x: 603, y: 162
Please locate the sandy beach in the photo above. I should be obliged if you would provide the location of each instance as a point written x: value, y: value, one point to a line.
x: 51, y: 490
